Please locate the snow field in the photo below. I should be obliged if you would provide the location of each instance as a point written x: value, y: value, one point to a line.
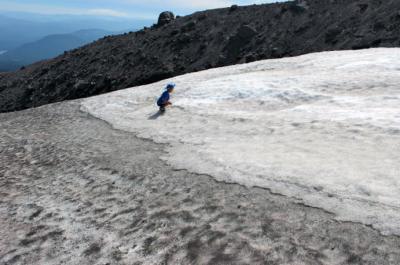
x: 323, y: 128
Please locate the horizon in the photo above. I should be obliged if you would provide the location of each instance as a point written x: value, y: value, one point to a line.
x: 117, y: 10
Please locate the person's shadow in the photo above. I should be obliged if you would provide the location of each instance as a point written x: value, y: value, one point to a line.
x: 156, y: 115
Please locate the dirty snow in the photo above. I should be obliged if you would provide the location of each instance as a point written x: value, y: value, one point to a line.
x: 323, y: 128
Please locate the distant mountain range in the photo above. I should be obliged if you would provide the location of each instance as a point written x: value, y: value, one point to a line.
x: 48, y: 47
x: 26, y: 38
x: 17, y: 29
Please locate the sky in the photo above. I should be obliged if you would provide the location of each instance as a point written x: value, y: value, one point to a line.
x: 139, y: 9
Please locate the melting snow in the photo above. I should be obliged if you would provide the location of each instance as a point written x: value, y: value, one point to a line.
x: 323, y: 128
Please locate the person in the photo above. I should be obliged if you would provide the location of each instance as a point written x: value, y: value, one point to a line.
x: 163, y: 101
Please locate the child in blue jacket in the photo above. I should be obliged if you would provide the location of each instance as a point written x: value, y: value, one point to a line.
x: 163, y: 101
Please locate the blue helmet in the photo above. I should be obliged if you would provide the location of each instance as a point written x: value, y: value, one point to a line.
x: 170, y: 85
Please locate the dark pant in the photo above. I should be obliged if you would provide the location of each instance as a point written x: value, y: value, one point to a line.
x: 162, y: 106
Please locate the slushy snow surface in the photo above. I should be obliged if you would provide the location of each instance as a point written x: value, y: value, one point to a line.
x: 323, y: 128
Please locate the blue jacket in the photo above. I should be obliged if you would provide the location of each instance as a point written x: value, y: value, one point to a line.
x: 163, y: 99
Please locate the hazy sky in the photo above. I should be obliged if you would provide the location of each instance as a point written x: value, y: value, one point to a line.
x: 118, y: 8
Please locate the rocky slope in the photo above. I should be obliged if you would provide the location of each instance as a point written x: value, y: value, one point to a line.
x: 203, y: 40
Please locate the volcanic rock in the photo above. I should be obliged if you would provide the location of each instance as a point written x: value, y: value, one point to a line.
x: 165, y: 18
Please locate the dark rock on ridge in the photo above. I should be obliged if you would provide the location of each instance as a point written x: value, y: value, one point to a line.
x: 233, y: 8
x: 200, y: 41
x: 165, y: 18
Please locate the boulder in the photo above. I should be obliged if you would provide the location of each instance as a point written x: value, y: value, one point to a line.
x: 379, y: 25
x: 331, y: 35
x: 184, y: 38
x: 363, y: 7
x: 246, y: 32
x: 165, y: 18
x: 250, y: 58
x: 233, y: 8
x: 237, y: 42
x: 189, y: 26
x: 81, y: 84
x: 202, y: 17
x: 298, y: 6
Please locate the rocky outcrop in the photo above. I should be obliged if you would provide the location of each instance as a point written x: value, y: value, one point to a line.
x: 200, y: 41
x: 243, y: 36
x: 165, y: 18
